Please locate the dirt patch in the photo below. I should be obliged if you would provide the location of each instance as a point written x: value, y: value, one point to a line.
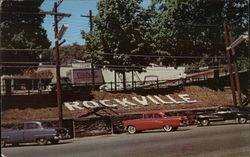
x: 206, y: 98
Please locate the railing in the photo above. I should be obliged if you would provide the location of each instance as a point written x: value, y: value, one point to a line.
x: 118, y: 86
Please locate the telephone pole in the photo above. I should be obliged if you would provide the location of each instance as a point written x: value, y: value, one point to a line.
x: 229, y: 61
x: 91, y: 30
x: 58, y: 17
x: 237, y: 78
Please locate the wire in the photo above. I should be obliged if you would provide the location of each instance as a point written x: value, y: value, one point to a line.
x: 161, y: 56
x: 27, y: 62
x: 130, y: 55
x: 7, y: 49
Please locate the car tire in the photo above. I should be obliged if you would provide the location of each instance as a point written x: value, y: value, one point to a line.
x: 131, y: 129
x: 42, y: 141
x: 175, y: 128
x: 168, y: 128
x: 54, y: 141
x: 242, y: 120
x: 204, y: 122
x: 2, y: 143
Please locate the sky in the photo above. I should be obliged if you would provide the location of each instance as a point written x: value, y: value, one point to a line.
x: 76, y: 23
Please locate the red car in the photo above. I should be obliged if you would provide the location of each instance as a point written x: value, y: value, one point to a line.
x: 155, y: 120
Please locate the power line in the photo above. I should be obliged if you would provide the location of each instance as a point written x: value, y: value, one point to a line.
x: 130, y: 55
x: 27, y: 62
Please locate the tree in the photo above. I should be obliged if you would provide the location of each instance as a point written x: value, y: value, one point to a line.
x: 21, y: 28
x: 122, y: 28
x: 73, y: 51
x: 195, y: 27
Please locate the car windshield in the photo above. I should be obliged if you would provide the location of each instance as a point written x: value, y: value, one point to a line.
x: 47, y: 124
x: 169, y: 114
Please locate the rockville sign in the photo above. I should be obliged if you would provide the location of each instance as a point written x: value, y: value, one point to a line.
x: 133, y: 101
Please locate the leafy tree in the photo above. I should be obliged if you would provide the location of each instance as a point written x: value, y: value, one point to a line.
x: 21, y: 28
x: 122, y: 28
x: 195, y: 27
x: 73, y: 51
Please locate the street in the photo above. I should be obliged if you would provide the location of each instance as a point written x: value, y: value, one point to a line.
x: 227, y: 139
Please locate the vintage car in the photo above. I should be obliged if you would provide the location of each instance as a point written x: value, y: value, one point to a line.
x: 41, y: 132
x: 155, y: 120
x: 224, y: 113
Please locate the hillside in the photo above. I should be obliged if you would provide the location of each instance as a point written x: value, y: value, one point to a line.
x: 205, y: 97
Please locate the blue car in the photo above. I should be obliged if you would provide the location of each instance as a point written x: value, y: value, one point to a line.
x: 40, y: 132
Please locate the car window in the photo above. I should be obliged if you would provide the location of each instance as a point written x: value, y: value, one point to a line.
x: 18, y: 127
x: 47, y: 124
x: 32, y: 126
x: 234, y: 109
x: 146, y: 116
x: 158, y: 116
x: 223, y: 109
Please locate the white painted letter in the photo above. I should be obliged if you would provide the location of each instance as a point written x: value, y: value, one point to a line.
x: 94, y: 104
x: 162, y: 101
x: 103, y: 102
x: 186, y: 98
x: 73, y: 105
x: 153, y: 100
x: 124, y: 102
x: 143, y: 101
x: 175, y: 101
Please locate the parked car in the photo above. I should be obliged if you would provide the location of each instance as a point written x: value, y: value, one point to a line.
x: 33, y: 131
x: 224, y: 113
x: 155, y: 120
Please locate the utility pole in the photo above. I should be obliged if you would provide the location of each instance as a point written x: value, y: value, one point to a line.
x: 229, y: 61
x: 91, y: 30
x: 58, y: 17
x: 237, y: 79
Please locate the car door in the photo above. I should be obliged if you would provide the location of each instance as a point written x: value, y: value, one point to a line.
x: 146, y: 123
x: 31, y: 130
x: 16, y: 134
x: 224, y: 112
x: 157, y: 122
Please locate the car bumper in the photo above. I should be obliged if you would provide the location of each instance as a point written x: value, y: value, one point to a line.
x: 62, y: 137
x: 185, y: 123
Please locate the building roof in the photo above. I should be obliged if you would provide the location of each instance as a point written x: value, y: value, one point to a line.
x: 30, y: 74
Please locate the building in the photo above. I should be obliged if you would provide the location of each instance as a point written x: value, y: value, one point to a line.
x: 29, y: 83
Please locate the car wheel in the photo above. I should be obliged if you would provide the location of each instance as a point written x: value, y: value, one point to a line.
x: 204, y: 122
x: 242, y: 120
x: 175, y: 128
x: 41, y: 141
x: 2, y: 143
x: 131, y: 129
x: 54, y: 141
x: 168, y: 128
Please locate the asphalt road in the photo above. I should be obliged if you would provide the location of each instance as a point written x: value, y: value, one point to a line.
x: 227, y: 140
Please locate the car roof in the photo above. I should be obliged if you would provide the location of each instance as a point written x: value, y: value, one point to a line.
x: 153, y: 112
x: 229, y: 106
x: 32, y: 121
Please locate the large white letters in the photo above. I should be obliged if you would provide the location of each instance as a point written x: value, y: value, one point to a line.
x: 104, y: 102
x: 186, y: 98
x: 153, y: 100
x: 144, y: 100
x: 175, y: 101
x: 125, y: 102
x: 73, y: 105
x: 87, y: 104
x: 162, y: 101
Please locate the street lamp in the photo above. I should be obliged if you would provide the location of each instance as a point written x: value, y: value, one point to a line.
x: 62, y: 31
x: 238, y: 41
